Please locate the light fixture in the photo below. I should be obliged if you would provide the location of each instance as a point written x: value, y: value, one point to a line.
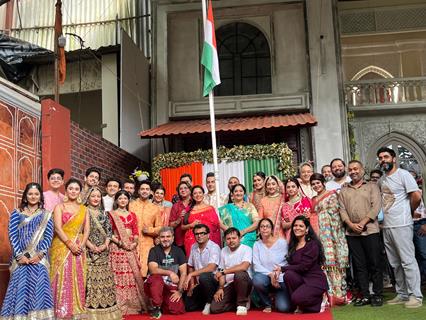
x: 62, y: 41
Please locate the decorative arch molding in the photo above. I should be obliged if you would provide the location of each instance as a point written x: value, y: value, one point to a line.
x: 26, y: 132
x: 374, y: 69
x: 400, y: 138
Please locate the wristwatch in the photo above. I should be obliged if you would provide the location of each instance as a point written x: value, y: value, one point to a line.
x: 222, y: 271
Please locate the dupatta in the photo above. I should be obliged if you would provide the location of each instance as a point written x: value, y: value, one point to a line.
x: 132, y: 258
x: 59, y: 251
x: 35, y: 239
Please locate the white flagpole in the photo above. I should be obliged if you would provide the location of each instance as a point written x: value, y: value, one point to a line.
x: 212, y: 123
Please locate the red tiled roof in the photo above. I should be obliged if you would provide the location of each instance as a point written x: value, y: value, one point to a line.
x: 230, y: 124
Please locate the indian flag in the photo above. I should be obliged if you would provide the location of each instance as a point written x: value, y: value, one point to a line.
x: 209, y: 58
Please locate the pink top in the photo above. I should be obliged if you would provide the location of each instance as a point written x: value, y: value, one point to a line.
x: 52, y: 199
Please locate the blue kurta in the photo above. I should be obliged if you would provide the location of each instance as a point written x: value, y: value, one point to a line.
x: 29, y: 294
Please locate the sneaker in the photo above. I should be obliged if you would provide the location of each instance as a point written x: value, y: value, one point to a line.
x: 413, y: 302
x: 362, y: 302
x: 241, y: 311
x: 206, y: 310
x: 155, y: 313
x: 267, y: 310
x: 397, y: 300
x: 376, y: 301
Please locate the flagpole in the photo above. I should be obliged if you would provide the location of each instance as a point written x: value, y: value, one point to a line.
x: 212, y: 123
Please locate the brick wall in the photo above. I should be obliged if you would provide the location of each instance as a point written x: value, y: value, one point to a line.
x: 89, y: 149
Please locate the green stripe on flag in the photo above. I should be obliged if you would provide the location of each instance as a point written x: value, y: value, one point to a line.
x: 207, y: 62
x: 268, y: 166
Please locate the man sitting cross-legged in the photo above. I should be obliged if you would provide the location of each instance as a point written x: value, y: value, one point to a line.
x: 233, y: 275
x: 167, y: 273
x: 202, y: 265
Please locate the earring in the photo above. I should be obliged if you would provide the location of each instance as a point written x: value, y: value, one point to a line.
x: 79, y: 200
x: 65, y: 198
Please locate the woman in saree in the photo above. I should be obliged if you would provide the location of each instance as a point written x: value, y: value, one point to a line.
x: 200, y: 213
x: 101, y: 301
x: 68, y: 257
x: 123, y: 256
x: 28, y: 294
x: 271, y: 204
x: 179, y: 210
x: 165, y: 206
x: 258, y: 189
x: 332, y: 237
x: 297, y: 204
x: 241, y: 215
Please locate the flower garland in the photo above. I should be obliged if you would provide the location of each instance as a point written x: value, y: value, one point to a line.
x: 280, y: 151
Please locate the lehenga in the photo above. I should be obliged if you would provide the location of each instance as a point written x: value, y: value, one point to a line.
x: 68, y: 271
x: 207, y: 216
x: 28, y: 294
x: 240, y: 218
x: 255, y: 197
x: 101, y: 300
x: 332, y: 237
x: 125, y: 265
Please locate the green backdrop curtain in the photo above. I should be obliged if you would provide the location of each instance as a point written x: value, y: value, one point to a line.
x: 268, y: 165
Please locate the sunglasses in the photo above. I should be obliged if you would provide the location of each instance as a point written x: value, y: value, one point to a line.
x: 200, y: 234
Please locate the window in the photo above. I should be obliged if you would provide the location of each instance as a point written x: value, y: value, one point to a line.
x: 244, y: 60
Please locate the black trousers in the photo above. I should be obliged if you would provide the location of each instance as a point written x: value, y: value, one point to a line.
x: 203, y: 293
x: 367, y: 258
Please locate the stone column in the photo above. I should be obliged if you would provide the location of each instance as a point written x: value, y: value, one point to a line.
x: 330, y: 138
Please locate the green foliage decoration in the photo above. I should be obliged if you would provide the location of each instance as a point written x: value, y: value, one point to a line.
x: 280, y: 151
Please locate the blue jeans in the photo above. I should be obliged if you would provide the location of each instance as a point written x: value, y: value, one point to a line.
x: 263, y: 287
x: 420, y: 246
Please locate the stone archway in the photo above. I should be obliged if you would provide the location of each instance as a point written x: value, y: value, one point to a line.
x: 400, y: 143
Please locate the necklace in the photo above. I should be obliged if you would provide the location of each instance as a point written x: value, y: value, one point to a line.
x: 239, y: 204
x: 29, y: 211
x: 295, y: 199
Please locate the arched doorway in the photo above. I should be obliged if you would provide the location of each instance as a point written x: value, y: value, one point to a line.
x: 410, y: 155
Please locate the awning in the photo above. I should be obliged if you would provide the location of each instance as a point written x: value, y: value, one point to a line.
x: 185, y: 127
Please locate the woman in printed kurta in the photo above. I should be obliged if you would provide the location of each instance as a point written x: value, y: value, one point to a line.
x: 149, y: 223
x: 179, y: 210
x: 101, y: 301
x: 28, y: 294
x: 241, y: 215
x: 332, y: 237
x: 68, y: 258
x: 200, y: 213
x: 271, y: 204
x: 297, y: 204
x: 124, y: 256
x: 258, y: 189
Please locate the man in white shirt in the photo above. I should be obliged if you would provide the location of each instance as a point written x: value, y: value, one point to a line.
x: 211, y: 195
x: 202, y: 265
x: 113, y: 185
x: 400, y: 197
x: 233, y: 275
x: 338, y: 169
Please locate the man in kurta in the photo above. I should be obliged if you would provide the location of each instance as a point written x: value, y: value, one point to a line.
x: 149, y: 223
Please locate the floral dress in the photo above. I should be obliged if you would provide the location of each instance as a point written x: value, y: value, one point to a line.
x: 332, y: 237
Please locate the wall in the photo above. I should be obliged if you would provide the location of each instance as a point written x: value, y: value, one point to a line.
x: 20, y: 160
x: 89, y: 149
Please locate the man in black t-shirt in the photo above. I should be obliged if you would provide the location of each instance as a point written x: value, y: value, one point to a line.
x: 167, y: 273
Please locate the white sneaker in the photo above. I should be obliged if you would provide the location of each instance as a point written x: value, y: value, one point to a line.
x: 241, y: 311
x: 206, y: 310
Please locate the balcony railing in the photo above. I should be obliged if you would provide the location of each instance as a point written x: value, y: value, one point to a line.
x: 393, y: 91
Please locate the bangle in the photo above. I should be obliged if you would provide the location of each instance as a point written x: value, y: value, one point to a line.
x: 68, y: 243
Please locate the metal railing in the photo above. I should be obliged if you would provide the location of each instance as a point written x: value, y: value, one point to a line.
x: 391, y: 91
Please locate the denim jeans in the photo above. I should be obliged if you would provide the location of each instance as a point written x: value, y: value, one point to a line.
x: 263, y: 287
x: 420, y: 246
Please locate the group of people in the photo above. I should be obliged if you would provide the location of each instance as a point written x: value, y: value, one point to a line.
x: 288, y: 246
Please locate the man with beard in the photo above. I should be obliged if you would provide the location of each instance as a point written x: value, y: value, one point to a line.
x: 401, y: 197
x: 233, y: 275
x: 338, y: 169
x: 149, y: 222
x: 360, y: 203
x: 326, y: 172
x: 167, y: 273
x: 91, y: 179
x: 202, y: 263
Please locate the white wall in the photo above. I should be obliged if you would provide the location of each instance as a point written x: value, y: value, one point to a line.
x: 110, y: 98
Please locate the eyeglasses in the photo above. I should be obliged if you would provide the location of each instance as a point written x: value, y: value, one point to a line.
x: 200, y: 234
